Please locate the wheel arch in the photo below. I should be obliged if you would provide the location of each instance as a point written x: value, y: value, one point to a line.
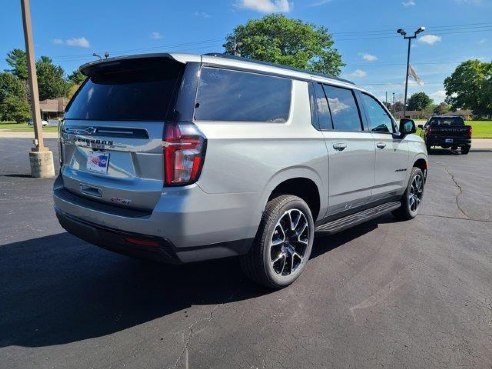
x: 299, y: 181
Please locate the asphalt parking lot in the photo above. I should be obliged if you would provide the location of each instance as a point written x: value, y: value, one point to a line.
x: 390, y: 294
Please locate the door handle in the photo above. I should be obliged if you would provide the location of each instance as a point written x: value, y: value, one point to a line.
x: 381, y: 145
x: 340, y: 146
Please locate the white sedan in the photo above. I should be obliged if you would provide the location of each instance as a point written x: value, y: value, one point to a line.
x: 44, y: 123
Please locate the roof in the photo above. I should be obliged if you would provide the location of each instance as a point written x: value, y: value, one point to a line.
x: 230, y: 61
x: 53, y: 105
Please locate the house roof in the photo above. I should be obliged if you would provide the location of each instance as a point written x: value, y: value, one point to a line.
x: 53, y: 105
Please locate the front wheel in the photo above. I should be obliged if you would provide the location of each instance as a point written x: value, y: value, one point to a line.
x: 283, y: 243
x: 412, y: 198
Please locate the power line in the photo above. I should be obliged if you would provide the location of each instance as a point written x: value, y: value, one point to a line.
x: 344, y: 36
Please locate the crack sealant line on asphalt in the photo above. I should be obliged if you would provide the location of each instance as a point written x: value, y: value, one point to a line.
x: 187, y: 341
x: 459, y: 193
x: 456, y: 218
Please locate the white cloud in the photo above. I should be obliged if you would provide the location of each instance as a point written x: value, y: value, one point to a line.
x: 430, y: 39
x: 408, y: 3
x: 369, y: 57
x: 358, y: 73
x: 266, y: 6
x: 319, y: 3
x: 74, y: 41
x: 155, y: 36
x: 201, y: 14
x: 438, y: 95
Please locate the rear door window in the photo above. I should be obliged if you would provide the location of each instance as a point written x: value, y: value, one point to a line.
x: 229, y: 95
x: 379, y: 119
x: 140, y: 89
x: 344, y: 110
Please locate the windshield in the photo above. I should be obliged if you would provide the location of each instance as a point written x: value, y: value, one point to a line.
x: 127, y: 90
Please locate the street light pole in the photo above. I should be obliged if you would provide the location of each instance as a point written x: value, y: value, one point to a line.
x: 406, y: 78
x: 402, y: 32
x: 41, y: 159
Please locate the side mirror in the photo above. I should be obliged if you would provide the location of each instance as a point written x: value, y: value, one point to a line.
x: 421, y: 126
x: 407, y: 126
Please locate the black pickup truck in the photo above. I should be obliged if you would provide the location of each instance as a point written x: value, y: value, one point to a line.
x: 447, y: 132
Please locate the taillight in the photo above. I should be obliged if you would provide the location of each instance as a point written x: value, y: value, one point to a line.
x: 184, y: 152
x: 470, y: 130
x: 429, y: 130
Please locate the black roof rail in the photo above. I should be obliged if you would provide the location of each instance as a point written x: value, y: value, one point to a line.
x: 261, y: 62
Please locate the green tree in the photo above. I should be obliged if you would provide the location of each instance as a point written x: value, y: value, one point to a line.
x: 428, y: 111
x: 50, y: 79
x: 278, y: 39
x: 76, y: 77
x: 469, y: 87
x: 442, y: 108
x: 398, y: 106
x: 419, y: 101
x: 13, y: 98
x: 17, y: 60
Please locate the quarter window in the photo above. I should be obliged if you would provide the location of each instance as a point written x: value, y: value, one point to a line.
x: 344, y: 110
x: 228, y: 95
x: 379, y: 120
x: 322, y: 109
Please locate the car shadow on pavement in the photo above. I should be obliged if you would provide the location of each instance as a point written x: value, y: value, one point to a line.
x: 58, y: 289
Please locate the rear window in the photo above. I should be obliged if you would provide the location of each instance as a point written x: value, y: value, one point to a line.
x: 444, y: 121
x: 228, y: 95
x: 139, y: 89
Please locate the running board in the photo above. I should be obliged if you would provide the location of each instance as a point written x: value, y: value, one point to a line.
x: 351, y: 220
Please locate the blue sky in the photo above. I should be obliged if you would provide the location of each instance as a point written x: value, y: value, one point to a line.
x: 364, y: 32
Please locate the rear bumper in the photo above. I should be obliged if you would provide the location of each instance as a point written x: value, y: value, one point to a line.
x: 186, y: 224
x: 441, y: 141
x: 145, y: 246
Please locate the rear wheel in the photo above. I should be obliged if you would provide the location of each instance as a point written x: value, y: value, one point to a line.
x: 411, y: 199
x: 465, y: 150
x: 429, y: 148
x: 283, y: 243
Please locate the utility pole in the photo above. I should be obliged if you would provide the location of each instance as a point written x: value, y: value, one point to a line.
x: 393, y: 106
x: 402, y: 32
x: 40, y: 157
x: 235, y: 46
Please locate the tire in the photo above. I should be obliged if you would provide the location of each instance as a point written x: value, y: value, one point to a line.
x: 429, y: 148
x: 412, y: 197
x: 465, y: 150
x: 283, y: 243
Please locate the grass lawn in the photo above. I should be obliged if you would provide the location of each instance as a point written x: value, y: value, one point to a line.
x: 481, y: 128
x: 23, y: 127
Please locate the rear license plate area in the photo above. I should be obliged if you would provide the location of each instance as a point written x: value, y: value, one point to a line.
x: 98, y: 162
x: 448, y: 140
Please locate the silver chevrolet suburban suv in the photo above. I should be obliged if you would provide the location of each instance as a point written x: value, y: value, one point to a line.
x: 181, y: 158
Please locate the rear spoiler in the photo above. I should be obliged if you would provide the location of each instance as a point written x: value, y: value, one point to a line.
x: 91, y: 68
